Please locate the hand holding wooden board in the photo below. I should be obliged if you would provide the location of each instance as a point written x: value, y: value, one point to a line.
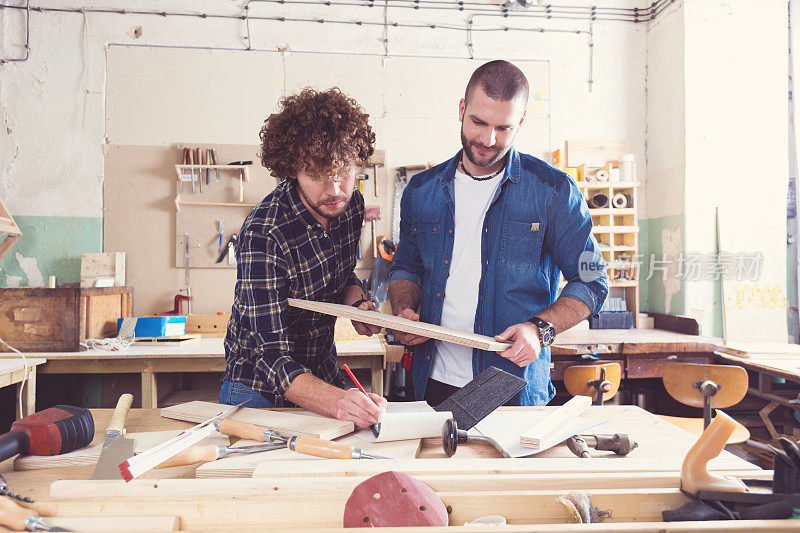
x: 375, y: 318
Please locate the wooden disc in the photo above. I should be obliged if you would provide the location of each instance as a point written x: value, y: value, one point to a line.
x: 394, y: 499
x: 679, y: 377
x: 577, y: 378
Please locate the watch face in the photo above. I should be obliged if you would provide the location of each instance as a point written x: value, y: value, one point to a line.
x: 547, y: 336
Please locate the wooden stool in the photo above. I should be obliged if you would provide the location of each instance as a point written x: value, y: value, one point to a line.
x: 600, y: 382
x: 706, y: 386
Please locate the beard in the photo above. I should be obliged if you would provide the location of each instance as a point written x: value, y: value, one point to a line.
x: 478, y: 160
x: 324, y: 211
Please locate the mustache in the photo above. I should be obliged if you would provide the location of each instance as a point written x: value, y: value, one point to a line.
x: 333, y: 199
x: 482, y: 147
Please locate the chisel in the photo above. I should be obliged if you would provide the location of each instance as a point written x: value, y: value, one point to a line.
x: 18, y: 518
x: 212, y: 452
x: 296, y: 443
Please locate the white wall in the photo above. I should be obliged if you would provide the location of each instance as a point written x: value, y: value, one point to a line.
x: 53, y: 103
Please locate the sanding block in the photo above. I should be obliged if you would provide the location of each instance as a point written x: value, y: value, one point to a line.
x: 488, y: 391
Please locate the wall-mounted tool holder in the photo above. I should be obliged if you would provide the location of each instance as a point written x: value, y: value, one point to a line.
x: 211, y: 202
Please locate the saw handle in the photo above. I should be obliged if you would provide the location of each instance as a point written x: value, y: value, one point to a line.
x: 14, y: 516
x: 117, y: 422
x: 243, y: 430
x: 320, y: 448
x: 190, y: 456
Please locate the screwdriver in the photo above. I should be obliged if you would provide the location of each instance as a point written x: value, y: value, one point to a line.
x: 297, y: 443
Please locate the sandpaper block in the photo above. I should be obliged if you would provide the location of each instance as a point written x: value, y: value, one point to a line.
x: 488, y: 391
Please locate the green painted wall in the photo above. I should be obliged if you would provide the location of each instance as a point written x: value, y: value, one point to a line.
x: 652, y: 293
x: 57, y: 244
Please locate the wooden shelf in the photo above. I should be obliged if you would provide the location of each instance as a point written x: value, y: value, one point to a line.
x: 607, y: 184
x: 223, y: 204
x: 612, y: 211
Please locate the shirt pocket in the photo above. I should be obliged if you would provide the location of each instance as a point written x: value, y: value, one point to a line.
x: 522, y: 245
x: 428, y: 237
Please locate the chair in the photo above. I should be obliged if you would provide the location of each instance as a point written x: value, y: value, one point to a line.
x: 708, y: 387
x: 600, y: 382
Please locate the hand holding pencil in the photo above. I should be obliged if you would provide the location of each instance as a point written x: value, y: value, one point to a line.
x: 362, y: 408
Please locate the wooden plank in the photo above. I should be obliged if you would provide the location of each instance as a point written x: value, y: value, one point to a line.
x: 88, y: 456
x: 519, y: 507
x: 178, y: 488
x: 432, y: 331
x: 243, y: 466
x: 593, y: 154
x: 282, y: 422
x: 102, y: 265
x: 540, y: 465
x: 116, y: 523
x: 678, y: 324
x: 541, y: 434
x: 214, y: 326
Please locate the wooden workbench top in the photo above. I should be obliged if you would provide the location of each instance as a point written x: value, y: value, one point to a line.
x: 661, y: 448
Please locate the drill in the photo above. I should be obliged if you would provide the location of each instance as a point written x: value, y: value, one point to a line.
x: 54, y: 431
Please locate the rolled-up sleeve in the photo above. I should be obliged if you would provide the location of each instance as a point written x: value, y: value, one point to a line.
x: 263, y: 309
x: 407, y: 262
x: 575, y: 250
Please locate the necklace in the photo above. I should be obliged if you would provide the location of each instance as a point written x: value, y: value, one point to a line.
x: 479, y: 178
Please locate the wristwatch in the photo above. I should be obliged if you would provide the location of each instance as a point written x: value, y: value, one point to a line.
x: 547, y: 333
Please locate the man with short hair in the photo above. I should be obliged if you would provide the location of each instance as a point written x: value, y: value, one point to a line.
x: 301, y: 242
x: 484, y: 238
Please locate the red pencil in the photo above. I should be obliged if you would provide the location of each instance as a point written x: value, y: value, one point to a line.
x: 353, y: 377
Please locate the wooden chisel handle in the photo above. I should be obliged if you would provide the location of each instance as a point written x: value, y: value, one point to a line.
x: 13, y: 516
x: 320, y: 448
x: 243, y: 430
x: 195, y: 454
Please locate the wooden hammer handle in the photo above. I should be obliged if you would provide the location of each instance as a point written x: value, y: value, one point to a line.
x: 190, y: 456
x: 320, y: 448
x: 243, y: 430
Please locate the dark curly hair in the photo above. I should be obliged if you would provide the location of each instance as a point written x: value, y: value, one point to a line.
x: 319, y: 132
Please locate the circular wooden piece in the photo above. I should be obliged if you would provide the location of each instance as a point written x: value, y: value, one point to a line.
x: 680, y: 377
x: 577, y: 378
x: 394, y: 499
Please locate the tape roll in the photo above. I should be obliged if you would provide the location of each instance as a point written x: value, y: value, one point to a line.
x: 601, y: 175
x: 598, y: 200
x: 621, y: 201
x: 590, y: 177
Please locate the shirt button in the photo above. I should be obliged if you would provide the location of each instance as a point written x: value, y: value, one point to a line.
x: 438, y: 294
x: 486, y: 230
x: 450, y: 231
x: 435, y: 230
x: 428, y: 357
x: 446, y: 261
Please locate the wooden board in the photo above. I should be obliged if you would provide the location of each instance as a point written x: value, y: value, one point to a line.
x: 213, y: 326
x: 745, y: 349
x: 432, y: 331
x: 173, y: 488
x: 519, y: 507
x: 245, y: 465
x: 88, y: 456
x: 178, y: 340
x: 103, y: 265
x: 116, y: 523
x: 282, y: 422
x: 541, y: 434
x: 594, y: 154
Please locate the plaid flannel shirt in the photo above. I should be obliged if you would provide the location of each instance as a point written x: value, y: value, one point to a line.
x: 283, y: 252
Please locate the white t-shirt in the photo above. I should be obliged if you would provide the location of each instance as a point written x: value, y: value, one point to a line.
x: 452, y: 363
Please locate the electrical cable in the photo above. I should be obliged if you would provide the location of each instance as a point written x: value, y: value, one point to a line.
x: 24, y: 377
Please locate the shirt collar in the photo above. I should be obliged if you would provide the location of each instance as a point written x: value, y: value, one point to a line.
x: 511, y: 171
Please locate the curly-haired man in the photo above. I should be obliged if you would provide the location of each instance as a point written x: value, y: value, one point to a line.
x: 301, y: 242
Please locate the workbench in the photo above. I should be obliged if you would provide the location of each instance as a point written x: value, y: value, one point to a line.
x: 200, y: 355
x: 12, y: 372
x: 636, y: 487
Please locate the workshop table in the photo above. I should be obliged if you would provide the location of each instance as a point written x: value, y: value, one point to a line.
x: 12, y: 372
x: 662, y: 447
x: 202, y: 355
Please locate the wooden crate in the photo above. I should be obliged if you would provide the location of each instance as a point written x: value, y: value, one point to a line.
x: 39, y: 319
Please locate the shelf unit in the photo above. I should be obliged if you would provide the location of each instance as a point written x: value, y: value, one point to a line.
x: 617, y: 231
x: 187, y: 171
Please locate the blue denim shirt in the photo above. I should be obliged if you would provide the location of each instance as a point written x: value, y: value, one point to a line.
x: 537, y: 226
